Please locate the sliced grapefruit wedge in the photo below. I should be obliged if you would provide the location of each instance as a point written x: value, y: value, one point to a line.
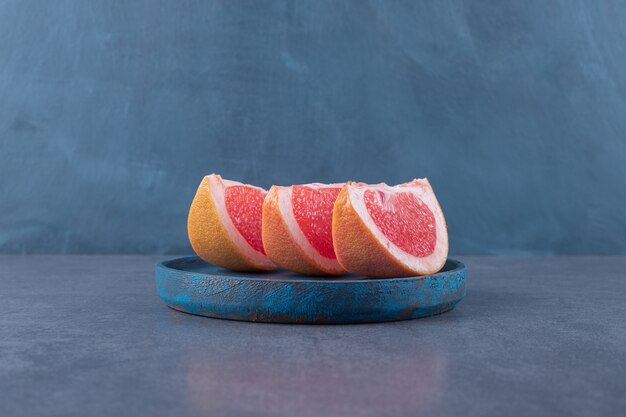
x: 224, y: 224
x: 384, y: 231
x: 297, y: 228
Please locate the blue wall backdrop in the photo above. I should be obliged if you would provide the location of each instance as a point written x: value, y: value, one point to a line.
x: 112, y: 111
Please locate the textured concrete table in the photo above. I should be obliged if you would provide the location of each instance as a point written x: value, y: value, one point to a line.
x: 87, y: 335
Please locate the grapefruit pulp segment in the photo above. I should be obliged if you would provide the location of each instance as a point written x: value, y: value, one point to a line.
x: 224, y: 224
x: 385, y: 231
x: 312, y: 209
x: 245, y: 207
x: 297, y: 228
x: 405, y: 220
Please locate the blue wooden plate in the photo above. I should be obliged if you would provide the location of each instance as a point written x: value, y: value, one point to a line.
x: 189, y: 284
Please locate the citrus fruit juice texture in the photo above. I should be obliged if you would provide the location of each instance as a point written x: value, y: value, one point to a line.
x: 404, y: 220
x: 297, y: 228
x: 244, y: 206
x: 313, y: 210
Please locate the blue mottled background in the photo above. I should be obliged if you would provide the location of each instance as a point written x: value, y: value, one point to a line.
x: 112, y: 111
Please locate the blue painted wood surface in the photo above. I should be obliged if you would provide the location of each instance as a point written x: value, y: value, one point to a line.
x: 189, y: 284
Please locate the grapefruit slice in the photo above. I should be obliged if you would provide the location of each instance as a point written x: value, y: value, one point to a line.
x: 297, y: 228
x: 224, y: 224
x: 384, y: 231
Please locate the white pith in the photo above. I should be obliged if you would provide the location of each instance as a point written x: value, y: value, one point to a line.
x: 285, y: 206
x: 421, y: 189
x: 217, y: 188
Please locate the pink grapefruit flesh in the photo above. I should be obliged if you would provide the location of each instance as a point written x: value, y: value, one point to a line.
x: 297, y: 228
x: 244, y: 205
x: 404, y: 219
x: 385, y: 231
x: 313, y: 211
x: 224, y: 224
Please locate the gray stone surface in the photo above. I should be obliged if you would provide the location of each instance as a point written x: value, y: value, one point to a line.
x: 87, y: 335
